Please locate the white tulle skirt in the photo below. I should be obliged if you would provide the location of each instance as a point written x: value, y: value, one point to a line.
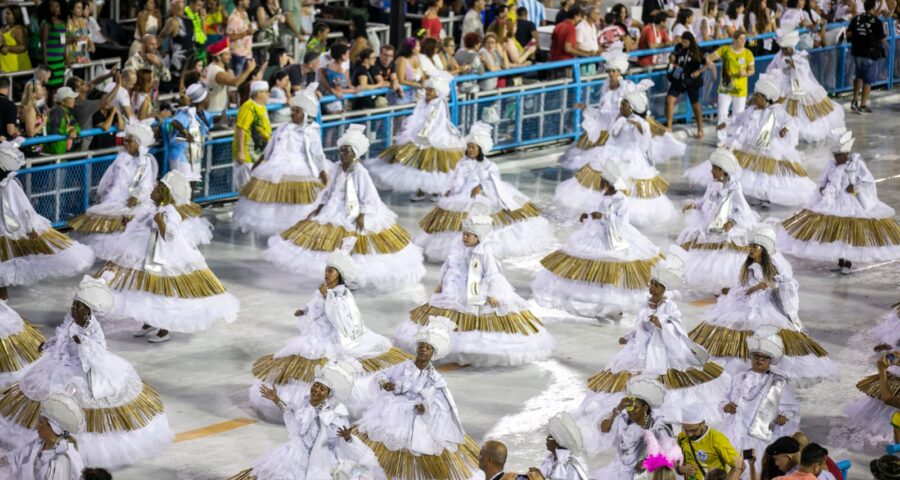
x: 52, y: 255
x: 870, y: 414
x: 888, y: 331
x: 665, y: 147
x: 197, y: 230
x: 816, y: 114
x: 268, y: 218
x: 712, y: 262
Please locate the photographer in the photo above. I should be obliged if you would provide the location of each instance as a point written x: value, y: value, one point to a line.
x: 685, y: 74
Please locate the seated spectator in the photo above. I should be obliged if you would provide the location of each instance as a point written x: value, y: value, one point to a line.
x: 472, y: 22
x: 516, y: 55
x: 142, y: 96
x: 85, y: 108
x: 62, y: 122
x: 654, y: 35
x: 494, y: 59
x: 429, y: 59
x: 34, y: 118
x: 337, y: 81
x: 9, y: 113
x: 105, y: 118
x: 409, y: 70
x: 470, y: 57
x: 447, y: 55
x: 432, y: 20
x: 280, y: 85
x: 318, y: 43
x: 651, y: 7
x: 14, y: 46
x: 79, y: 45
x: 363, y: 79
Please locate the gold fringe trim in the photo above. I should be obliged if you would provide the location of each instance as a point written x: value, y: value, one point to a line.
x: 725, y: 342
x: 19, y: 350
x: 197, y: 284
x: 585, y: 143
x: 521, y: 323
x: 47, y: 243
x: 633, y: 275
x: 293, y: 193
x: 656, y: 129
x: 440, y: 220
x: 245, y: 475
x: 280, y: 371
x: 90, y: 223
x: 807, y: 226
x: 869, y: 385
x: 609, y: 382
x: 189, y: 210
x: 650, y: 187
x: 134, y: 415
x: 404, y: 464
x: 697, y: 245
x: 813, y: 111
x: 426, y: 159
x: 589, y: 178
x: 759, y: 163
x: 313, y: 235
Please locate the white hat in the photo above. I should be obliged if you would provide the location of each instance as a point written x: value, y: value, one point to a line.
x: 11, y: 158
x: 692, y: 415
x: 788, y: 39
x: 341, y: 260
x: 638, y: 101
x: 480, y: 134
x: 196, y: 92
x: 611, y: 172
x: 647, y: 389
x: 95, y: 293
x: 616, y: 60
x: 178, y: 186
x: 479, y: 221
x: 725, y: 159
x: 437, y: 334
x: 764, y: 235
x: 63, y: 413
x: 440, y: 84
x: 668, y: 272
x: 259, y: 86
x: 767, y: 86
x: 338, y: 377
x: 141, y: 132
x: 565, y: 431
x: 767, y: 342
x: 307, y: 100
x: 356, y: 138
x: 840, y: 140
x: 64, y: 93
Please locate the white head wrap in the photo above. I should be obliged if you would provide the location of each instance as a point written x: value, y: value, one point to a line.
x: 840, y: 140
x: 338, y: 377
x: 142, y: 132
x: 11, y: 158
x: 178, y: 186
x: 767, y: 87
x: 341, y: 260
x: 197, y: 92
x: 356, y: 138
x: 638, y: 101
x: 480, y: 134
x: 647, y: 389
x: 307, y: 100
x: 611, y: 172
x: 616, y: 59
x: 669, y: 272
x: 725, y: 159
x: 788, y: 39
x: 63, y: 414
x: 764, y: 235
x: 768, y: 343
x: 259, y: 86
x: 440, y: 84
x: 95, y: 293
x: 565, y: 431
x: 437, y: 334
x: 692, y: 415
x: 479, y: 221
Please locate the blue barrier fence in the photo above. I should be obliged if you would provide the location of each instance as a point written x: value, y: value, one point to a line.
x: 532, y: 114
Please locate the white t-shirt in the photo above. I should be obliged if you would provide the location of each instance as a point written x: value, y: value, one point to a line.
x: 586, y: 36
x: 122, y: 99
x: 218, y: 94
x: 678, y: 29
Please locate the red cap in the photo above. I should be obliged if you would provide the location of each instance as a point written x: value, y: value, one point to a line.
x: 219, y: 47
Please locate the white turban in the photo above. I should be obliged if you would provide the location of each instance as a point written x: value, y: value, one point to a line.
x: 95, y: 293
x: 767, y: 87
x: 616, y: 60
x: 840, y: 140
x: 692, y: 415
x: 766, y: 342
x: 611, y: 172
x: 63, y: 413
x: 479, y: 221
x: 437, y: 334
x: 638, y: 101
x: 480, y: 134
x: 307, y: 100
x: 341, y: 260
x: 197, y: 92
x: 338, y: 377
x: 788, y: 39
x: 647, y: 389
x: 178, y: 186
x: 725, y: 159
x: 259, y: 86
x: 356, y: 138
x: 440, y: 84
x: 764, y: 235
x: 142, y: 132
x: 11, y: 158
x: 668, y: 272
x: 566, y: 433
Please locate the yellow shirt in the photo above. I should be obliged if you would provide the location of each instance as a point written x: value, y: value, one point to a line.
x: 734, y: 63
x: 713, y: 449
x: 13, y: 62
x: 253, y: 119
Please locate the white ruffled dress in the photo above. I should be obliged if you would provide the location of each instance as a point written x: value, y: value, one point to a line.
x: 515, y: 217
x: 125, y: 418
x: 603, y: 268
x: 33, y: 461
x: 805, y: 99
x: 19, y: 342
x: 384, y: 254
x: 485, y: 336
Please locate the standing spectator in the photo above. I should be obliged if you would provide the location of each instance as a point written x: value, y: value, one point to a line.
x: 33, y: 117
x: 564, y: 40
x: 708, y: 27
x: 432, y: 20
x: 310, y: 68
x: 812, y: 464
x: 429, y: 59
x: 360, y: 36
x: 85, y: 109
x: 337, y: 81
x: 704, y: 448
x: 180, y: 32
x: 565, y: 11
x: 470, y: 57
x: 149, y: 21
x: 9, y: 113
x: 737, y: 67
x: 685, y: 74
x: 651, y: 8
x: 278, y: 95
x: 271, y: 20
x: 215, y: 21
x: 142, y: 95
x: 318, y: 43
x: 105, y: 118
x: 54, y: 14
x: 654, y: 35
x: 532, y: 10
x: 240, y: 32
x: 734, y: 17
x: 492, y: 461
x: 383, y: 70
x: 683, y: 23
x: 219, y: 77
x: 587, y: 35
x: 148, y: 57
x: 494, y: 59
x: 757, y: 21
x: 294, y: 71
x: 409, y: 70
x: 363, y: 80
x: 252, y: 132
x: 615, y: 32
x: 517, y: 54
x: 78, y: 35
x: 14, y: 46
x: 62, y: 122
x: 867, y: 41
x: 122, y: 97
x: 194, y: 13
x: 526, y: 30
x: 472, y: 22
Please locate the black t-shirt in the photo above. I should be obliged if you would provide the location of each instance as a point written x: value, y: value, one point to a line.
x: 295, y: 74
x: 106, y: 140
x: 561, y: 16
x: 385, y: 72
x: 685, y: 65
x: 360, y: 70
x: 866, y: 33
x: 9, y: 114
x: 524, y: 31
x: 649, y: 6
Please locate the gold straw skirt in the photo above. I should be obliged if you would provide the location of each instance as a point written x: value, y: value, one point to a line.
x: 283, y: 370
x: 641, y: 188
x: 869, y: 385
x: 439, y: 220
x: 196, y: 284
x: 633, y: 275
x: 517, y: 323
x: 808, y: 226
x: 609, y: 382
x: 48, y: 243
x: 88, y: 223
x: 403, y: 464
x: 426, y: 159
x: 813, y: 111
x: 312, y: 235
x: 288, y: 192
x: 17, y: 351
x: 759, y: 163
x: 725, y: 342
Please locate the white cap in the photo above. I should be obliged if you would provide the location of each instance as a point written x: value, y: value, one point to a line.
x: 196, y: 92
x: 95, y: 293
x: 616, y: 60
x: 565, y: 432
x: 63, y: 413
x: 307, y: 100
x: 259, y: 86
x: 692, y: 415
x: 840, y: 140
x: 479, y: 221
x: 725, y: 159
x: 64, y: 93
x: 355, y: 137
x: 668, y: 272
x: 341, y: 260
x: 440, y: 84
x: 767, y: 342
x: 767, y: 87
x: 638, y: 101
x: 788, y: 39
x: 647, y: 389
x: 610, y: 171
x: 142, y: 132
x: 11, y: 158
x: 764, y: 235
x: 480, y: 134
x: 437, y: 334
x: 178, y: 186
x: 338, y: 377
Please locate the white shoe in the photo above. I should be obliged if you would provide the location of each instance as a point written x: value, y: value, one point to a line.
x: 846, y: 271
x: 435, y: 197
x: 417, y: 197
x: 158, y: 339
x: 144, y: 331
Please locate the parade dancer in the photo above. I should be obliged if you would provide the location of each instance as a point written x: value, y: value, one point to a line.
x: 20, y: 345
x: 53, y: 455
x: 188, y: 134
x: 874, y: 411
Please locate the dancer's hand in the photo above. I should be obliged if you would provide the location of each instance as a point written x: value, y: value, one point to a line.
x: 728, y: 225
x: 721, y: 126
x: 688, y: 207
x: 596, y: 215
x: 323, y: 177
x: 76, y: 339
x: 730, y: 408
x: 420, y: 409
x: 323, y: 289
x: 851, y: 189
x: 687, y: 470
x: 132, y: 202
x: 388, y: 386
x: 493, y: 302
x: 346, y: 432
x: 361, y: 222
x: 270, y: 394
x: 583, y: 217
x: 33, y: 235
x: 476, y: 191
x: 314, y: 212
x: 780, y: 420
x: 655, y: 320
x: 783, y: 132
x: 301, y: 312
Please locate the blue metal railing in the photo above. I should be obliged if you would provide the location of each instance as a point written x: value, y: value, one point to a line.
x: 844, y: 467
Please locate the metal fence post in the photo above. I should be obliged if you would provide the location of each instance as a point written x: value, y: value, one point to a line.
x: 454, y: 103
x: 86, y: 195
x: 164, y: 136
x: 892, y: 51
x: 576, y: 115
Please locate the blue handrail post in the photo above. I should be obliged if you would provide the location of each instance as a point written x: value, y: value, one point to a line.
x: 164, y: 135
x: 576, y: 116
x: 86, y: 195
x: 842, y: 69
x: 891, y: 53
x: 454, y: 103
x: 892, y: 449
x: 844, y: 466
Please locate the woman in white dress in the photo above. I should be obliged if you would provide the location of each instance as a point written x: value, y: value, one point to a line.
x: 628, y: 147
x: 331, y: 327
x: 494, y: 326
x: 53, y: 455
x: 873, y: 411
x: 565, y: 444
x: 845, y: 220
x: 384, y: 254
x: 658, y: 346
x: 30, y: 249
x: 321, y: 443
x: 412, y: 425
x: 715, y: 235
x: 159, y: 278
x: 423, y: 156
x: 604, y: 267
x: 515, y: 216
x: 20, y: 345
x: 765, y: 294
x: 804, y: 98
x: 126, y: 422
x: 285, y: 184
